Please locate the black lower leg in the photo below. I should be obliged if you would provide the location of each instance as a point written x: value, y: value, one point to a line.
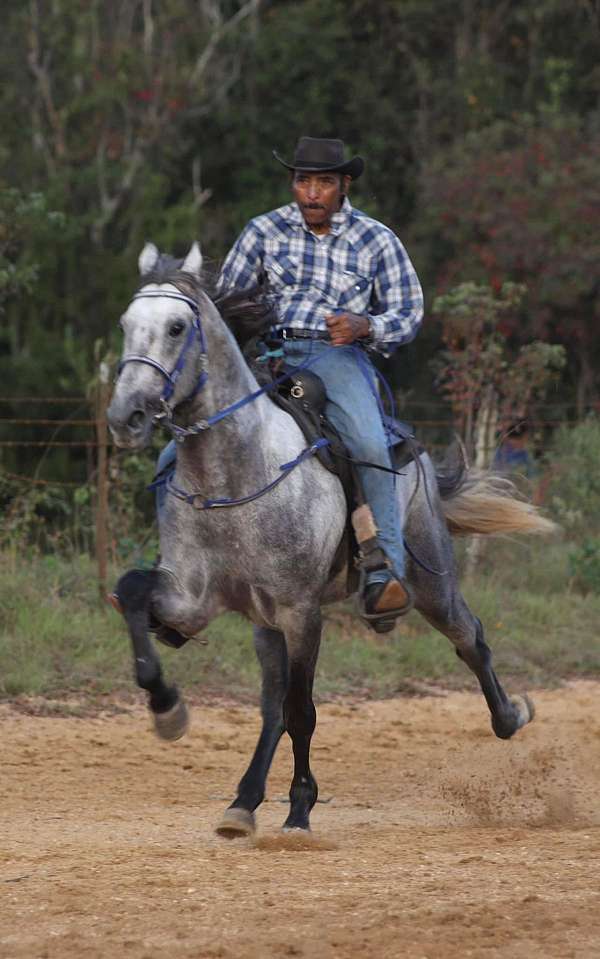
x: 505, y: 716
x: 300, y: 718
x: 134, y: 592
x: 272, y: 655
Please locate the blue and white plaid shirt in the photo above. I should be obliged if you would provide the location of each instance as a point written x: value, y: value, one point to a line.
x: 360, y: 266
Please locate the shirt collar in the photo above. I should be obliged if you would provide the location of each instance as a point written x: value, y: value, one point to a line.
x: 339, y: 220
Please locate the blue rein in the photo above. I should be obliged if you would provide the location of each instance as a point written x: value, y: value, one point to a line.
x: 180, y: 432
x: 223, y: 502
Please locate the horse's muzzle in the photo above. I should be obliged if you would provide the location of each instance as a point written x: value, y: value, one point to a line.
x: 130, y: 424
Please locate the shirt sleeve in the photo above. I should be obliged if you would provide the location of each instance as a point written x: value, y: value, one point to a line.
x: 243, y: 264
x: 397, y: 303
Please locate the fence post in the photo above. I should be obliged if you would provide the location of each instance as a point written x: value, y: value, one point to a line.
x: 102, y: 400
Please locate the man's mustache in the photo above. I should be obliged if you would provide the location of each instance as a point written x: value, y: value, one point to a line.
x: 312, y: 206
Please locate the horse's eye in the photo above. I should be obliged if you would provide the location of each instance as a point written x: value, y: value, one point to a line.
x: 176, y: 328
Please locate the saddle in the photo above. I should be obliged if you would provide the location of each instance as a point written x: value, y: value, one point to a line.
x: 302, y: 395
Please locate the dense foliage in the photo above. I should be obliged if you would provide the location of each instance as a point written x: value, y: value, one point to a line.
x: 490, y: 385
x: 138, y: 119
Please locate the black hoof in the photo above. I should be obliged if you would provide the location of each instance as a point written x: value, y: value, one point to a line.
x: 173, y: 723
x: 296, y: 825
x: 521, y: 712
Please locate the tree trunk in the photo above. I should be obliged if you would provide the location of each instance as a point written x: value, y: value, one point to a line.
x: 585, y: 381
x: 484, y: 444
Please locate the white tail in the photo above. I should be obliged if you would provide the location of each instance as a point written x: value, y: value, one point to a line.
x: 489, y: 504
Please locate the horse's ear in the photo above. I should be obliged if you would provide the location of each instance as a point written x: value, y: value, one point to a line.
x: 148, y: 259
x: 193, y: 261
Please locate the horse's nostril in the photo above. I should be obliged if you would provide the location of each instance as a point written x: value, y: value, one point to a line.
x: 136, y: 420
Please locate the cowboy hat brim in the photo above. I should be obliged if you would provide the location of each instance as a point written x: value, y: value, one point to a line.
x: 352, y: 168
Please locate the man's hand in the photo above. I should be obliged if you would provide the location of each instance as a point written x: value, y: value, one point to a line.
x: 345, y: 328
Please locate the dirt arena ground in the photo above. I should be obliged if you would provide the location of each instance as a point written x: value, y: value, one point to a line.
x: 435, y: 839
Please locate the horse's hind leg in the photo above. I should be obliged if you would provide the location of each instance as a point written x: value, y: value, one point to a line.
x: 439, y: 600
x: 453, y: 618
x: 169, y: 711
x: 239, y: 820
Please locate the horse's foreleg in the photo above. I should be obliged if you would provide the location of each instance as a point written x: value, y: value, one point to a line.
x: 300, y: 718
x: 238, y: 820
x: 169, y: 711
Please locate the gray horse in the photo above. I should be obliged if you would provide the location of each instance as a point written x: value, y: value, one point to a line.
x: 269, y: 557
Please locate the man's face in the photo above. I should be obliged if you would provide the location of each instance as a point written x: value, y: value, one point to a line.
x: 319, y: 196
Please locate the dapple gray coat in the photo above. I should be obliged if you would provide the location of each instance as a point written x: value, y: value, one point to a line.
x: 270, y: 559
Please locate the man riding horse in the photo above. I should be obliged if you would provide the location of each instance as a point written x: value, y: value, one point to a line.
x: 252, y: 522
x: 342, y: 286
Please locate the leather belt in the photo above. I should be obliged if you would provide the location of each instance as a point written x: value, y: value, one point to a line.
x: 289, y: 333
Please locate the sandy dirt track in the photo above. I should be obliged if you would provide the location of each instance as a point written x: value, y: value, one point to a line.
x: 438, y: 840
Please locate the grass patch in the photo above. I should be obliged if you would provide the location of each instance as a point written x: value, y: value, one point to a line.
x: 57, y: 638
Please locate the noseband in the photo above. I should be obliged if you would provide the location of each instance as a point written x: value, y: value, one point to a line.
x: 195, y: 332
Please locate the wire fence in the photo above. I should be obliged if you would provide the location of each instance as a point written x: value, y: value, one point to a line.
x: 410, y: 413
x: 434, y: 432
x: 29, y: 444
x: 73, y: 452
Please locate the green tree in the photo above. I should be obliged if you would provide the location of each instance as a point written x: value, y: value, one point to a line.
x: 95, y: 115
x: 522, y: 203
x: 489, y: 383
x: 22, y: 217
x: 155, y: 120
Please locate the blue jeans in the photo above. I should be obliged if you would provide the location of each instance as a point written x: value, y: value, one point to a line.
x: 352, y: 407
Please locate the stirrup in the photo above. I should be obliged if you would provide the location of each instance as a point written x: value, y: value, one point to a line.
x: 383, y: 621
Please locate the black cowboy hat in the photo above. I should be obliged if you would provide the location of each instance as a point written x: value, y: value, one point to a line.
x: 313, y: 155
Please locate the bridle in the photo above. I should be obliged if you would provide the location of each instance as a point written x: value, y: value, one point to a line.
x: 165, y: 417
x: 195, y: 333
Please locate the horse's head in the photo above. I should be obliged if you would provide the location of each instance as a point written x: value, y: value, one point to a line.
x: 164, y: 351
